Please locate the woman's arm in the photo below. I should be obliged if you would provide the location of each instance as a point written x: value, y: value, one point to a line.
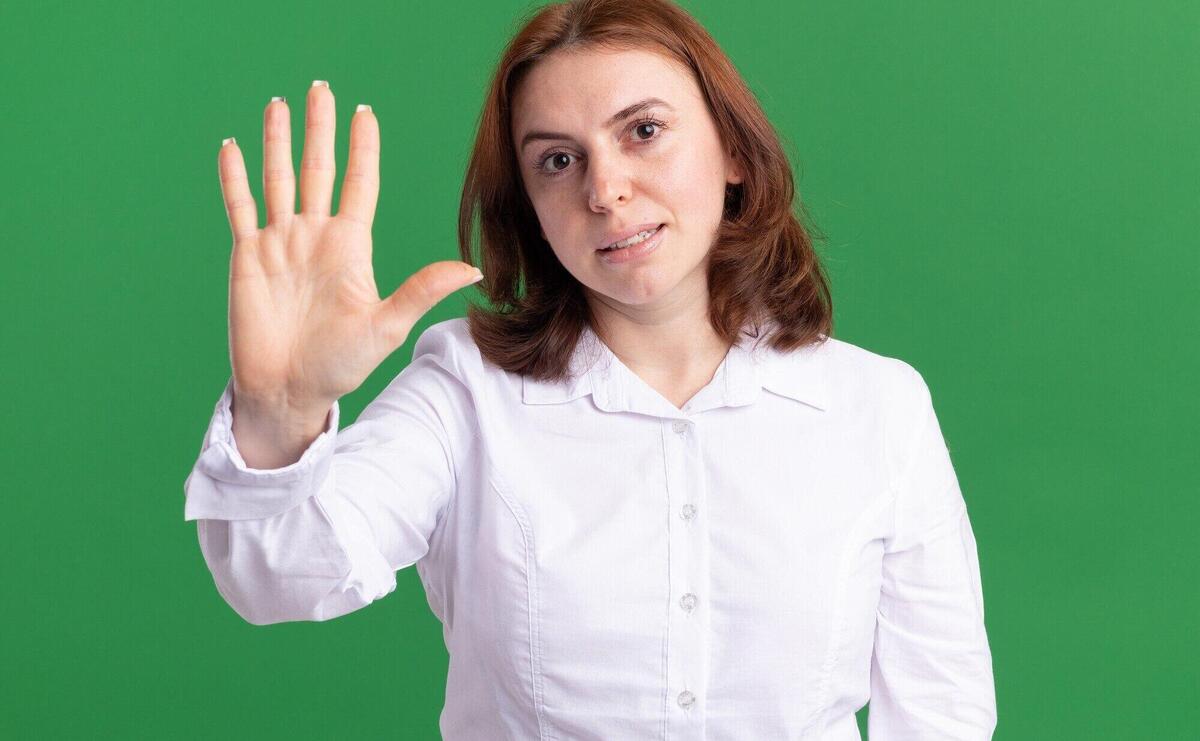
x: 931, y: 673
x: 325, y: 535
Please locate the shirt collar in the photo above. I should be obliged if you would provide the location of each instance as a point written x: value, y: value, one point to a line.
x: 744, y: 373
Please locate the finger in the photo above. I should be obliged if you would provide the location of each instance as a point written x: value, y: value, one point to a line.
x: 239, y: 202
x: 417, y: 295
x: 360, y: 185
x: 317, y: 165
x: 279, y: 180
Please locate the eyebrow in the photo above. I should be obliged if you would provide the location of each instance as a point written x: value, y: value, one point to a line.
x: 617, y: 117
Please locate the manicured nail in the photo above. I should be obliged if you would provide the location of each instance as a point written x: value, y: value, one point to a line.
x: 278, y: 98
x: 477, y: 279
x: 362, y: 107
x: 320, y: 82
x: 227, y: 141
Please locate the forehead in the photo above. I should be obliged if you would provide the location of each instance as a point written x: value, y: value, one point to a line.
x: 590, y: 85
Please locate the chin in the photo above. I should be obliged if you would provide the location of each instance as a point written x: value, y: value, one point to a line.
x: 640, y: 291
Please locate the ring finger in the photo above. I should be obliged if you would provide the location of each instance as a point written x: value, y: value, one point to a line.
x: 279, y: 179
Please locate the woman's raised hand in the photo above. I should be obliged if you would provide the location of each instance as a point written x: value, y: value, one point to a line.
x: 306, y: 324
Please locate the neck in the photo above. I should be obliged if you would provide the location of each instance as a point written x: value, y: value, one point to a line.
x: 672, y: 345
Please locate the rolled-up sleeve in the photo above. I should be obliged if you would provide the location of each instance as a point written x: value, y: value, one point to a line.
x: 325, y: 535
x: 931, y: 671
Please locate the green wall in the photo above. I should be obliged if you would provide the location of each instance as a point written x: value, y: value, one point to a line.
x: 1010, y: 198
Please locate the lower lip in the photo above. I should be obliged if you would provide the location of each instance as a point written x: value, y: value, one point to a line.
x: 638, y: 250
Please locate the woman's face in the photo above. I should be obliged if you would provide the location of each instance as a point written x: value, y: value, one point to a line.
x: 600, y: 176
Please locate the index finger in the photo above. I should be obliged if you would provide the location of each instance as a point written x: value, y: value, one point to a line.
x: 360, y: 185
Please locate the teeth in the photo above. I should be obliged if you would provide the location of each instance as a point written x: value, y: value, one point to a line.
x: 639, y: 237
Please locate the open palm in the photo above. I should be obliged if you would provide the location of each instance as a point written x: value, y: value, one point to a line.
x: 306, y: 323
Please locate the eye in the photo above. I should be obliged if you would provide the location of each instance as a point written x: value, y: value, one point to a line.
x: 654, y: 122
x: 646, y: 122
x: 641, y: 124
x: 552, y: 157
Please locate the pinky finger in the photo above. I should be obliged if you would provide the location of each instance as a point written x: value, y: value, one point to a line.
x: 239, y: 202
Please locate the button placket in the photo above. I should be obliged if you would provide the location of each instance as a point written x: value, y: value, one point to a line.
x: 688, y: 602
x: 688, y: 632
x: 686, y: 699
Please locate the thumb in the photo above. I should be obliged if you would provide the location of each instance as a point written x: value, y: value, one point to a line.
x: 400, y: 312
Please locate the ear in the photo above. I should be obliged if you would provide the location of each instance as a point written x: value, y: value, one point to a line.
x: 733, y: 170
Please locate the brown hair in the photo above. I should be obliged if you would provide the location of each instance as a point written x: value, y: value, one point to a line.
x: 762, y: 266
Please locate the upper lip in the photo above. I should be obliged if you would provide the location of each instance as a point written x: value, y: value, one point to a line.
x: 612, y: 237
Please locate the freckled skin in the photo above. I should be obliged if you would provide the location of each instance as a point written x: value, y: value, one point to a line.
x: 628, y: 174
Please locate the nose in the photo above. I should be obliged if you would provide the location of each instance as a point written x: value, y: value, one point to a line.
x: 608, y: 183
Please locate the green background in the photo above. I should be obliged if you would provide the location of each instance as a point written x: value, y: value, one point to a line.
x: 1010, y: 200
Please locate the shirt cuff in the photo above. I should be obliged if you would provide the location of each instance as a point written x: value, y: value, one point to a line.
x: 221, y: 486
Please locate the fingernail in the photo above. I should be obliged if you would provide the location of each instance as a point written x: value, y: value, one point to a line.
x: 479, y: 278
x: 362, y: 107
x: 227, y: 141
x: 320, y: 82
x: 279, y: 98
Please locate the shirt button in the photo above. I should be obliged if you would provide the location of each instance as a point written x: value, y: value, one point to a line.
x: 686, y: 699
x: 679, y: 426
x: 688, y: 602
x: 688, y: 511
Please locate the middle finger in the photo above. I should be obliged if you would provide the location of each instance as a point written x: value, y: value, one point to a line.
x: 317, y: 165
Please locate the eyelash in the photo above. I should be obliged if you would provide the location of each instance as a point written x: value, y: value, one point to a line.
x: 540, y: 164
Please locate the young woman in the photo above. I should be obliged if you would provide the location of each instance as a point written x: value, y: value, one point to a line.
x: 647, y: 493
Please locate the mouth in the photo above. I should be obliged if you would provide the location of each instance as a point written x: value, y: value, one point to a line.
x: 633, y: 251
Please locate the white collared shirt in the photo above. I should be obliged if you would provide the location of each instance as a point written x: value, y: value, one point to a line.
x: 757, y: 565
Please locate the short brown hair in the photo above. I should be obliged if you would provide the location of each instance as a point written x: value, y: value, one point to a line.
x: 762, y: 269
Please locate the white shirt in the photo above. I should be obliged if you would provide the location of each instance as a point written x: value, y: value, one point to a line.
x: 757, y: 565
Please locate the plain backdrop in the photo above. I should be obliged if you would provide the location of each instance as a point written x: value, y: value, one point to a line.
x: 1009, y: 195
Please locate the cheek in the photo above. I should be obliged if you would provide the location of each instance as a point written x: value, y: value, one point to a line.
x: 691, y: 181
x: 560, y: 233
x: 549, y: 214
